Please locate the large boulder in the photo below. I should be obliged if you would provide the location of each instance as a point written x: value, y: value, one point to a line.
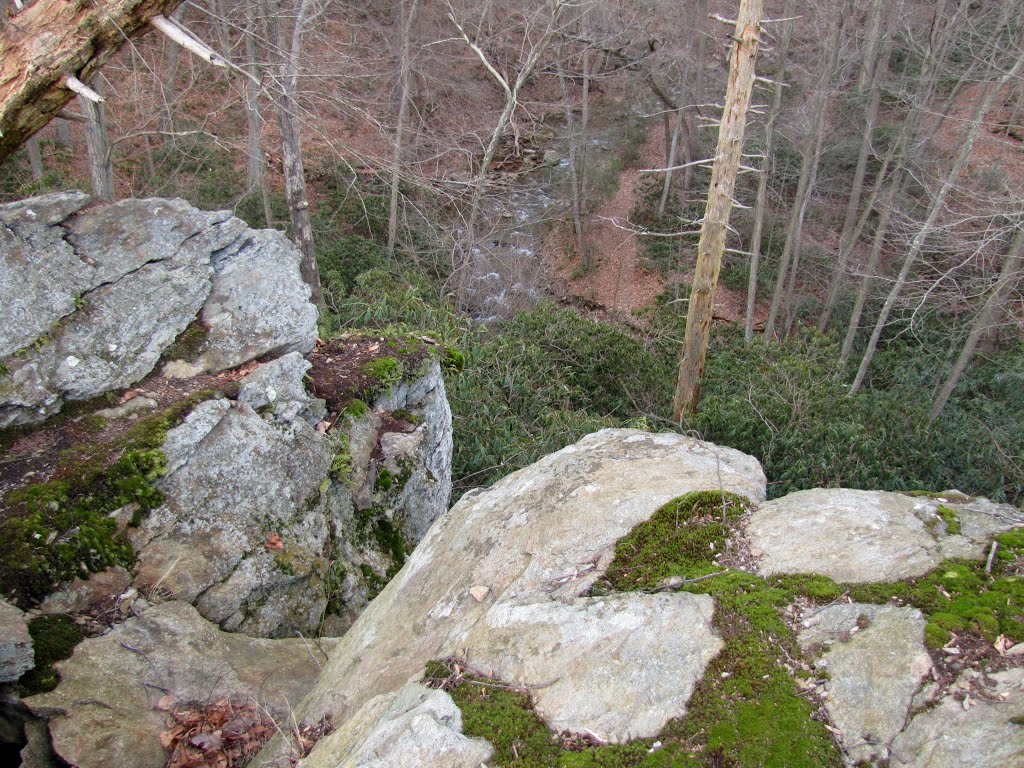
x: 509, y: 568
x: 269, y: 522
x: 111, y: 705
x: 865, y: 536
x: 96, y: 295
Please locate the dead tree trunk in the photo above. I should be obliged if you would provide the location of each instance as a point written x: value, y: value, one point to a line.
x: 726, y: 166
x: 52, y: 40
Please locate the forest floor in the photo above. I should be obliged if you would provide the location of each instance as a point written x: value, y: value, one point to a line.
x: 618, y: 282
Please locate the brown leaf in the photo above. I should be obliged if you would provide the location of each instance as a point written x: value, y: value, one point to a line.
x: 206, y: 741
x: 274, y: 542
x: 165, y: 703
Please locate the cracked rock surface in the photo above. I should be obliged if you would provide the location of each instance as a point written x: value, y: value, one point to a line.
x: 875, y: 658
x: 866, y: 536
x: 981, y: 734
x: 93, y: 296
x: 537, y: 540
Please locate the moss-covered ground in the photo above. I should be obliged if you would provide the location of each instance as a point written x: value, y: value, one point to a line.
x: 748, y: 710
x: 53, y: 639
x: 56, y: 530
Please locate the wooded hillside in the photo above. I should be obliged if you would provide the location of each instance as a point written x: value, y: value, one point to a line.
x: 463, y: 168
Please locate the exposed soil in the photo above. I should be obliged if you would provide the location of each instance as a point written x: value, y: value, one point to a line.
x: 39, y: 453
x: 342, y: 372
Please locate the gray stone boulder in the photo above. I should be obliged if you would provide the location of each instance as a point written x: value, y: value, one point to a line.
x: 107, y: 711
x: 412, y: 728
x: 516, y: 561
x: 258, y: 303
x: 268, y: 522
x: 16, y: 654
x: 240, y: 534
x: 662, y: 645
x: 96, y: 295
x: 875, y: 659
x: 865, y: 536
x: 977, y: 726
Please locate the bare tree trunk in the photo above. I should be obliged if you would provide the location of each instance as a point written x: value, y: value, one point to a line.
x: 808, y: 177
x: 51, y: 39
x: 674, y: 146
x: 762, y: 181
x: 877, y: 69
x: 101, y: 167
x: 64, y: 134
x: 576, y: 201
x: 405, y: 84
x: 869, y: 270
x: 720, y: 200
x: 929, y: 223
x: 35, y: 158
x: 985, y: 321
x: 169, y: 83
x: 290, y: 125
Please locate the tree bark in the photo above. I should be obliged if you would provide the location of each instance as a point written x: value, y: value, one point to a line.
x: 101, y: 165
x: 290, y: 127
x: 762, y: 181
x: 51, y: 40
x: 720, y: 200
x: 35, y: 158
x: 985, y: 321
x: 576, y: 199
x: 404, y: 86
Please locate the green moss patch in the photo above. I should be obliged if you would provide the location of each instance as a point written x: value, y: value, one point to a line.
x: 61, y: 529
x: 949, y: 517
x: 190, y: 343
x: 679, y: 540
x: 53, y: 639
x: 385, y: 371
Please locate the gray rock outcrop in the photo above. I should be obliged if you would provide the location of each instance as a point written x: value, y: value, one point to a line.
x: 267, y: 521
x: 514, y: 562
x: 875, y: 659
x: 16, y: 654
x: 105, y: 711
x: 412, y: 728
x: 864, y: 536
x: 982, y: 730
x: 94, y: 296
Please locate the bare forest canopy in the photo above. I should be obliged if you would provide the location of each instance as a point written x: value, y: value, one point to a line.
x: 450, y: 165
